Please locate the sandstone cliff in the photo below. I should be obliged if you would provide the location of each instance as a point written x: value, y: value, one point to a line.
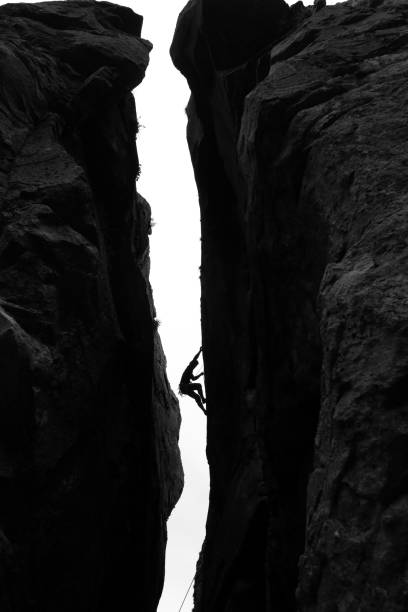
x: 298, y: 136
x: 89, y: 462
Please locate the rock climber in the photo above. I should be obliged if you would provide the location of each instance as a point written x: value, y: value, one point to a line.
x: 189, y: 387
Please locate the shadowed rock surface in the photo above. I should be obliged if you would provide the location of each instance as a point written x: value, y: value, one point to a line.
x: 300, y: 151
x: 89, y: 464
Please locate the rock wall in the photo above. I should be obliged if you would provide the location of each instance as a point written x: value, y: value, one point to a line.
x: 298, y: 138
x: 89, y: 464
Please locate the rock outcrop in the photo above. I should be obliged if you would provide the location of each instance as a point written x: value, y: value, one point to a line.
x: 89, y: 462
x: 299, y: 144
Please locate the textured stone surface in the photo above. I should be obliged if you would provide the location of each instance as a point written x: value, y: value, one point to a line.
x: 89, y: 462
x: 300, y: 155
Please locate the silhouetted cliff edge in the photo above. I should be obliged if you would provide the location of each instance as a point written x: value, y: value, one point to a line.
x: 298, y: 135
x: 89, y: 463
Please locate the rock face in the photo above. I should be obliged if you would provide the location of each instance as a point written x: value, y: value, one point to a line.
x: 89, y: 462
x: 300, y: 151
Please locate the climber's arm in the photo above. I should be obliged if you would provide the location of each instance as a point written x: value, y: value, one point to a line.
x: 198, y: 376
x: 198, y: 354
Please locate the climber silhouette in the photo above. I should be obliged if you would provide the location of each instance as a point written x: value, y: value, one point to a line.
x: 187, y: 385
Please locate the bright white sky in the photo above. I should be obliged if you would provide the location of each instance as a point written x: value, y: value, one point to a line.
x: 167, y: 183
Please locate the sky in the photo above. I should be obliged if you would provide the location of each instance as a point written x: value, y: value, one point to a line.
x: 167, y: 183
